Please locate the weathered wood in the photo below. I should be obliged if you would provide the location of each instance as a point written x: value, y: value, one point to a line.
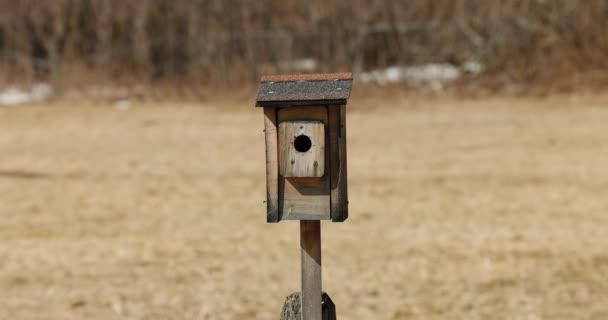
x: 337, y: 157
x: 310, y: 113
x: 305, y: 198
x: 292, y: 307
x: 290, y: 195
x: 310, y: 244
x: 302, y: 199
x: 272, y: 170
x: 302, y: 149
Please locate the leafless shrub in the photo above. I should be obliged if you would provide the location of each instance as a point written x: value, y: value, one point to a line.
x: 222, y: 42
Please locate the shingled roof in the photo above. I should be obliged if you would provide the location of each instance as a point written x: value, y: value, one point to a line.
x: 304, y: 89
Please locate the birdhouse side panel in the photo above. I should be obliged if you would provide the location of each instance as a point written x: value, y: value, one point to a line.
x: 272, y: 165
x: 337, y: 157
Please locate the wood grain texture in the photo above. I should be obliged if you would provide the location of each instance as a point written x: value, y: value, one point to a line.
x: 310, y: 113
x: 297, y: 164
x: 305, y: 198
x: 272, y: 170
x: 310, y: 244
x: 337, y: 158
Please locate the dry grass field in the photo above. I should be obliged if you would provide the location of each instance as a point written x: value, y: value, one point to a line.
x: 493, y: 208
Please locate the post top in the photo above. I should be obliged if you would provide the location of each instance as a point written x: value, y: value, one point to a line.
x: 304, y: 89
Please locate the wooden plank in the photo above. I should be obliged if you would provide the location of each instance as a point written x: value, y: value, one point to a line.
x: 305, y: 198
x: 272, y: 170
x: 302, y: 149
x: 337, y: 157
x: 310, y: 244
x: 312, y: 113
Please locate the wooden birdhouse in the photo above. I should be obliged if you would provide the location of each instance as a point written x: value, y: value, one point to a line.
x: 305, y: 130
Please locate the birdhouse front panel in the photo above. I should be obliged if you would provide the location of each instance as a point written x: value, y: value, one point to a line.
x: 305, y: 132
x: 303, y: 193
x: 302, y: 149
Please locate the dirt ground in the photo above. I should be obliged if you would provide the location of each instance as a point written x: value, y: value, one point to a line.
x: 493, y: 208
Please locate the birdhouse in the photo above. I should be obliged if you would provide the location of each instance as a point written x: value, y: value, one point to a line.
x: 305, y: 131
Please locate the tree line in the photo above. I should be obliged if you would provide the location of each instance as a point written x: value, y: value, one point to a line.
x: 227, y: 42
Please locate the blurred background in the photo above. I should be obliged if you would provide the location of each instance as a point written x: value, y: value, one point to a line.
x: 203, y: 43
x: 132, y: 172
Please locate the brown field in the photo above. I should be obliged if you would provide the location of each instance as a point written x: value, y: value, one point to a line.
x: 492, y: 208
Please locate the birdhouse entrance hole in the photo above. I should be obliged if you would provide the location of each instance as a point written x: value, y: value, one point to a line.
x: 302, y: 143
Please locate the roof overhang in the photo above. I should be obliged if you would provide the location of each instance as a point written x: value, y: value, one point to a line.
x: 304, y: 89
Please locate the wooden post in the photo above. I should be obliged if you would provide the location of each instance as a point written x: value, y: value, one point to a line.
x: 310, y: 244
x: 311, y: 303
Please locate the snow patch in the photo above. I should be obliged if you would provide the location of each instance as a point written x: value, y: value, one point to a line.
x: 307, y: 64
x: 432, y: 74
x: 298, y: 65
x: 122, y: 105
x: 13, y: 96
x: 472, y: 67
